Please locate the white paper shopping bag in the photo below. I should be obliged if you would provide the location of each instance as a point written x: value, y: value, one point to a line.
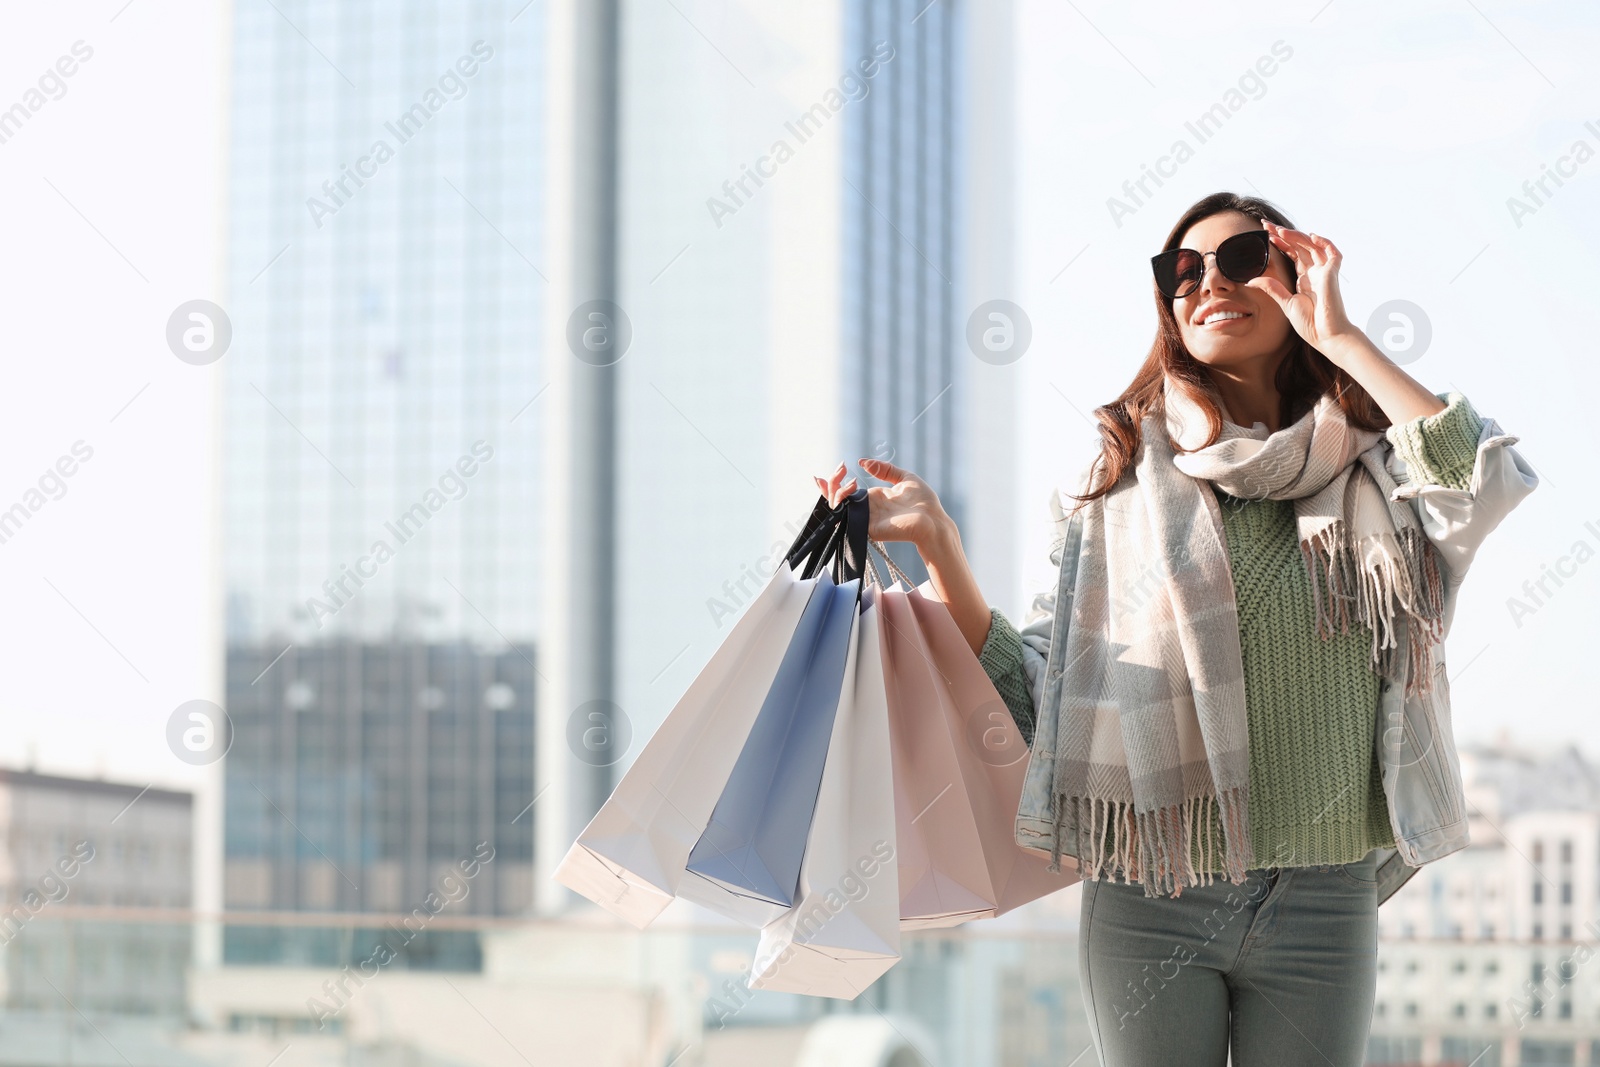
x: 630, y: 858
x: 844, y: 932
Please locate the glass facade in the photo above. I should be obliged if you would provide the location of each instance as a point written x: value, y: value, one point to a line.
x: 381, y: 472
x: 902, y: 211
x: 386, y: 326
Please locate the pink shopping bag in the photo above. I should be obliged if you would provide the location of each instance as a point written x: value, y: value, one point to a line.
x: 959, y: 762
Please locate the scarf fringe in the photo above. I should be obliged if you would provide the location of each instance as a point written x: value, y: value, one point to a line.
x: 1155, y: 848
x: 1407, y: 581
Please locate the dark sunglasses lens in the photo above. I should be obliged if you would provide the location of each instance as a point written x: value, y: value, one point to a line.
x: 1178, y: 272
x: 1243, y: 256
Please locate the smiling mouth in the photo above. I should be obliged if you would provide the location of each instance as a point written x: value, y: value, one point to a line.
x: 1221, y: 318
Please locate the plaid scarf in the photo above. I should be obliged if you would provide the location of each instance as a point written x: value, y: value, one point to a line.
x: 1151, y: 739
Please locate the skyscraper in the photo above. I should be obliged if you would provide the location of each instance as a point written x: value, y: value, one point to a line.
x: 381, y: 482
x: 796, y: 255
x: 902, y: 379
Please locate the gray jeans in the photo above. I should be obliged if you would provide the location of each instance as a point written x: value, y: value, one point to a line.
x: 1283, y: 968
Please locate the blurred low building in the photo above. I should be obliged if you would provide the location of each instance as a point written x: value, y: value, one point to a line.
x: 83, y: 864
x: 588, y: 991
x: 1492, y: 955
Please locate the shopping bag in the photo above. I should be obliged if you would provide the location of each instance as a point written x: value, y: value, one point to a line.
x: 746, y: 864
x: 629, y: 859
x: 631, y: 856
x: 844, y: 932
x: 959, y: 763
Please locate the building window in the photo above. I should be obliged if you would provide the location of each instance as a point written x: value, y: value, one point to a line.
x: 1538, y: 852
x: 1566, y: 892
x: 1538, y: 892
x: 1460, y: 1010
x: 1566, y: 852
x: 1411, y: 1009
x: 1538, y: 931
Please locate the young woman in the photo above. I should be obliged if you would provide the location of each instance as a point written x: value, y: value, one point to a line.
x: 1234, y: 693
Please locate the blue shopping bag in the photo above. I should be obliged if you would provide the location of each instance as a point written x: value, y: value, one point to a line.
x: 750, y: 852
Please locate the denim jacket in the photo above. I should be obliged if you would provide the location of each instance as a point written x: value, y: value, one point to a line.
x: 1415, y: 745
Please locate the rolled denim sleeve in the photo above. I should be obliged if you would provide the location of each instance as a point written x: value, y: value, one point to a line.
x: 1457, y: 518
x: 1439, y: 449
x: 1002, y: 661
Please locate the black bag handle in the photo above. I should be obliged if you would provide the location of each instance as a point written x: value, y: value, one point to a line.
x: 851, y: 562
x: 833, y: 536
x: 810, y: 545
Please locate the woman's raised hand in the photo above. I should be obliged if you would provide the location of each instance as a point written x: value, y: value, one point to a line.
x: 906, y: 510
x: 909, y: 510
x: 1315, y: 309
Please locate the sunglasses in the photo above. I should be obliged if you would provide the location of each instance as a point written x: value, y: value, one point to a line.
x: 1241, y: 257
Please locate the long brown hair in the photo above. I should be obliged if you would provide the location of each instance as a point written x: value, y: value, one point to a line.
x: 1302, y: 378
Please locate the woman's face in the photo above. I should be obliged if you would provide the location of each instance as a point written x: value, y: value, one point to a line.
x: 1230, y: 342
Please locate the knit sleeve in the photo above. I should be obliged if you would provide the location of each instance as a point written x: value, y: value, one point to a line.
x: 1440, y: 449
x: 1001, y: 657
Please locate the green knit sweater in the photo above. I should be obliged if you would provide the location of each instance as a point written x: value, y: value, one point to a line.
x: 1316, y: 794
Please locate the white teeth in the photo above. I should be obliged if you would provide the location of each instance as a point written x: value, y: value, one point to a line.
x: 1219, y: 316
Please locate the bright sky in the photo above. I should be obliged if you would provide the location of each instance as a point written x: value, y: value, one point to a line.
x: 114, y: 193
x: 1399, y: 132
